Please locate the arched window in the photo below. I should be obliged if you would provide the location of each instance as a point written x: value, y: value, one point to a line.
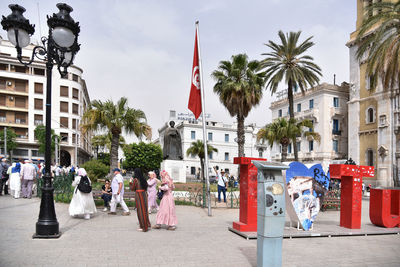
x: 370, y: 115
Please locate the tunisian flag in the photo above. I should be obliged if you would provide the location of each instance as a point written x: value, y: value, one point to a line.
x: 195, y: 93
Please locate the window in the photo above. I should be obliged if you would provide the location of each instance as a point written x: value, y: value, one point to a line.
x: 335, y: 146
x: 193, y: 170
x: 20, y: 86
x: 73, y: 138
x: 280, y: 113
x: 75, y: 109
x: 20, y: 118
x: 210, y: 156
x: 35, y: 153
x: 298, y: 146
x: 210, y: 136
x: 21, y: 133
x: 336, y: 102
x: 289, y: 149
x: 370, y: 115
x: 335, y: 125
x: 3, y: 66
x: 260, y: 153
x: 369, y: 81
x: 38, y: 119
x: 75, y: 77
x: 20, y: 152
x: 39, y: 88
x: 38, y: 71
x: 370, y: 157
x: 226, y: 156
x: 64, y: 91
x: 64, y: 137
x: 2, y: 100
x: 298, y: 107
x: 75, y: 93
x: 20, y: 69
x: 311, y: 145
x: 193, y: 135
x: 63, y: 106
x: 74, y: 124
x: 3, y: 83
x: 64, y: 122
x: 20, y: 102
x: 227, y: 138
x: 311, y: 103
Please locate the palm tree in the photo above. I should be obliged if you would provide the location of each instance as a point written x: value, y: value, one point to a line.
x: 197, y: 149
x: 115, y: 118
x: 239, y: 87
x: 103, y: 141
x: 287, y: 61
x: 282, y: 131
x: 379, y: 40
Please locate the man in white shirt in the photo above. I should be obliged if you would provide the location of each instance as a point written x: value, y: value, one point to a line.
x: 28, y: 175
x: 221, y: 183
x: 117, y: 187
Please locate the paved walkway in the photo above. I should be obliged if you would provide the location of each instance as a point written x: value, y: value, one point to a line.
x: 198, y: 241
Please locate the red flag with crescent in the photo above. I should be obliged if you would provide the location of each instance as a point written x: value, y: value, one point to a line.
x: 195, y: 92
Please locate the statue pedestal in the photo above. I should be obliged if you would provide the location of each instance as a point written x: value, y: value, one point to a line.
x: 176, y: 169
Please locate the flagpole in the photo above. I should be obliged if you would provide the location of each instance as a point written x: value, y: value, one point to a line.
x: 203, y: 112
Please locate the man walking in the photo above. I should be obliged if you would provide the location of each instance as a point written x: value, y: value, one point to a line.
x: 28, y: 175
x: 3, y: 176
x: 117, y: 187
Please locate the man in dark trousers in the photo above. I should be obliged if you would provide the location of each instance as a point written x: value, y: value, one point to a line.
x: 3, y: 176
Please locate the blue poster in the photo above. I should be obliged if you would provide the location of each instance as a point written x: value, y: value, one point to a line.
x: 306, y: 188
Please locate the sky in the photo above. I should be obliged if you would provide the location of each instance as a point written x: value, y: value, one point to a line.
x: 143, y: 50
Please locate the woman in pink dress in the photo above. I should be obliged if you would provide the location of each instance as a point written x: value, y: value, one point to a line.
x: 152, y: 192
x: 166, y: 214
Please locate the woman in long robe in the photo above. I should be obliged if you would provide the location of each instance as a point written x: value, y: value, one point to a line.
x: 152, y: 191
x: 139, y: 185
x: 15, y: 179
x: 81, y: 203
x: 166, y: 214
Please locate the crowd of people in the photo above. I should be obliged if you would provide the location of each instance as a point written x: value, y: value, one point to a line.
x: 146, y: 194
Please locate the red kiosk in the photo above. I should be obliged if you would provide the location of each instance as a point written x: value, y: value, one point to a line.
x: 351, y: 191
x: 248, y: 195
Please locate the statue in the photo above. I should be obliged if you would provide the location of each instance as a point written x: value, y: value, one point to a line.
x: 172, y: 143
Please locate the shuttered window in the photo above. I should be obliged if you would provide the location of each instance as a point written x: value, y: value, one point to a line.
x: 75, y: 93
x: 38, y: 88
x: 38, y: 104
x: 64, y: 91
x: 75, y: 108
x: 63, y: 106
x: 64, y: 122
x: 20, y: 102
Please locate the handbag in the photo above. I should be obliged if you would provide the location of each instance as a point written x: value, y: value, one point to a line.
x: 160, y: 194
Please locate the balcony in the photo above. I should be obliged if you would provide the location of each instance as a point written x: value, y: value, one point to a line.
x: 3, y: 119
x: 336, y: 132
x: 38, y: 122
x: 311, y: 114
x: 20, y: 121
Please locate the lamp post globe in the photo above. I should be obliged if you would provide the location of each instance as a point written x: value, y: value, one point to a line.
x: 59, y: 49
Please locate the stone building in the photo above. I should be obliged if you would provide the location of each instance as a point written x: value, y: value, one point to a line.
x: 220, y: 135
x: 326, y: 106
x: 22, y: 106
x: 373, y: 116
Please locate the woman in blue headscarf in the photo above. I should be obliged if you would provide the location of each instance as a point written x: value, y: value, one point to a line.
x: 15, y: 179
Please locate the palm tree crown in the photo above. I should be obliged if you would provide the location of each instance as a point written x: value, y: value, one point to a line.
x: 379, y: 41
x: 239, y: 87
x: 197, y: 149
x: 286, y: 61
x: 282, y: 131
x: 115, y: 118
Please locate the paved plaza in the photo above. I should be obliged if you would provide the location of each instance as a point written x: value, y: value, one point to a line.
x: 199, y: 240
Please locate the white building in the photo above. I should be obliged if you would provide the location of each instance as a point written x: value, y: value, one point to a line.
x: 326, y: 106
x: 22, y: 105
x: 220, y: 135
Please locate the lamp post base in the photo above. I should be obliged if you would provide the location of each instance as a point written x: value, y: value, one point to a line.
x: 47, y: 229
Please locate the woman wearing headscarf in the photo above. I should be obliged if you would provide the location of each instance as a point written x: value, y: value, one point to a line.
x: 166, y: 214
x: 139, y: 185
x: 152, y: 191
x: 15, y: 179
x: 81, y: 203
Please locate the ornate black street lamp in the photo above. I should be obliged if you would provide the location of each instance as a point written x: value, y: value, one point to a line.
x: 58, y: 48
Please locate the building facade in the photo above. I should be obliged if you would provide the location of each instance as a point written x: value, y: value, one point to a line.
x: 326, y: 106
x: 22, y: 106
x: 374, y: 116
x: 220, y: 135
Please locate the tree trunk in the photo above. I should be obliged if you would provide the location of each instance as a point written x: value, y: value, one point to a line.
x: 291, y: 116
x: 202, y: 176
x: 284, y: 152
x: 240, y: 135
x: 114, y: 151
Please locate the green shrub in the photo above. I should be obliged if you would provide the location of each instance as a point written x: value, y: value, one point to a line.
x: 95, y: 169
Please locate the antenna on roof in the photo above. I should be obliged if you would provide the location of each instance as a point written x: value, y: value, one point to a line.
x: 334, y: 79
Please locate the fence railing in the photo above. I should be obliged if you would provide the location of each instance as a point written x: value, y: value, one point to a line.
x: 62, y: 184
